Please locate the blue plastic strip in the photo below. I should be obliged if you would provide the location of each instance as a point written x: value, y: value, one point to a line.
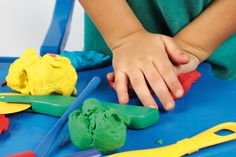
x: 58, y: 31
x: 44, y: 146
x: 7, y: 59
x: 86, y: 153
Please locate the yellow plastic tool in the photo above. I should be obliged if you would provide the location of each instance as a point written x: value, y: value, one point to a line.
x: 4, y: 94
x: 188, y: 145
x: 9, y: 108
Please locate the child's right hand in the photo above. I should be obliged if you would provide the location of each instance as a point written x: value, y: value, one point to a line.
x: 142, y: 58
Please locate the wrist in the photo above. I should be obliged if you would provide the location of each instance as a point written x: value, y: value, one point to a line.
x: 197, y: 51
x: 125, y: 38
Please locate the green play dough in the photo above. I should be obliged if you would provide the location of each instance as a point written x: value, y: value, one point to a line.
x: 95, y: 126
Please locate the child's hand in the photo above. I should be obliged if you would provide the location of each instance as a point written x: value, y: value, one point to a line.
x: 142, y: 58
x: 181, y: 68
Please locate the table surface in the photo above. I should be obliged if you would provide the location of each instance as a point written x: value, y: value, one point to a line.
x: 209, y: 102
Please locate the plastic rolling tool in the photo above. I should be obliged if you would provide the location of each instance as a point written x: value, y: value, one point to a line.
x: 187, y: 146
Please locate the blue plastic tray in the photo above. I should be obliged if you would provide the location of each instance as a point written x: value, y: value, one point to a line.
x: 209, y: 102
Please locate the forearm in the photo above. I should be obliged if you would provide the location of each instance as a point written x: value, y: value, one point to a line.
x: 211, y: 28
x: 113, y: 18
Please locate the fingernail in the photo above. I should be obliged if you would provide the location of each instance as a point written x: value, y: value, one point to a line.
x: 108, y: 76
x: 153, y: 106
x: 178, y: 93
x: 170, y: 105
x: 123, y: 100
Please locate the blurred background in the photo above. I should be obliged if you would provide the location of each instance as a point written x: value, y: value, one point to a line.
x: 24, y: 23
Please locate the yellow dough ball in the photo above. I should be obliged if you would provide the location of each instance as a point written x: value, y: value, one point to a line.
x: 17, y: 76
x: 35, y: 75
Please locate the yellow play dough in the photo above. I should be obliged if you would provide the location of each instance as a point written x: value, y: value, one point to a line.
x: 35, y: 75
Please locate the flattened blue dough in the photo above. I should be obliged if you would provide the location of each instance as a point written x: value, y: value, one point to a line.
x: 86, y: 59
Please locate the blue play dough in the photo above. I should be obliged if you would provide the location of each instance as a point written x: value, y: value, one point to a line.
x: 82, y: 60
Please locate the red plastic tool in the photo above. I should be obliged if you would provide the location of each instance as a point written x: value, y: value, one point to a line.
x: 52, y: 55
x: 185, y: 79
x: 25, y: 154
x: 4, y: 123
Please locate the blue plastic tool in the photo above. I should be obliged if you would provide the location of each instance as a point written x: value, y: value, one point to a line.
x: 59, y: 28
x: 44, y: 146
x: 86, y: 153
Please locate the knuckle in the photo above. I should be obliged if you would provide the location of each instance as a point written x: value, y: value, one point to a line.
x: 166, y: 69
x: 173, y: 85
x: 166, y: 37
x: 136, y: 81
x: 176, y: 50
x: 153, y: 77
x: 165, y: 98
x: 150, y: 58
x: 118, y: 83
x: 161, y: 91
x: 145, y: 98
x: 120, y: 90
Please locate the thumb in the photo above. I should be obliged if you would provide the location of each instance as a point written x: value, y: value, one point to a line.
x: 175, y: 54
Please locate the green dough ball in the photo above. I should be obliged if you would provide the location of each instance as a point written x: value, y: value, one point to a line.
x: 97, y: 127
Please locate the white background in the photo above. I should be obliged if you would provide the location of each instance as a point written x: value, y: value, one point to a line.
x: 24, y: 23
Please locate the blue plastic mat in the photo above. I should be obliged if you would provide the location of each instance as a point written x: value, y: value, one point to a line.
x: 209, y: 102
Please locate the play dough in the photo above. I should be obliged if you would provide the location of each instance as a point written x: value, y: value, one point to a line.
x: 95, y: 126
x: 4, y: 123
x: 35, y: 75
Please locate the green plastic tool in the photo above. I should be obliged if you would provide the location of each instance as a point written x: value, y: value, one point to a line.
x: 141, y: 117
x: 53, y: 105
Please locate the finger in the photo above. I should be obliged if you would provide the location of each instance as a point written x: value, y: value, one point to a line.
x: 140, y: 87
x: 111, y: 77
x: 121, y: 83
x: 174, y: 52
x: 168, y: 74
x: 186, y: 68
x: 158, y: 86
